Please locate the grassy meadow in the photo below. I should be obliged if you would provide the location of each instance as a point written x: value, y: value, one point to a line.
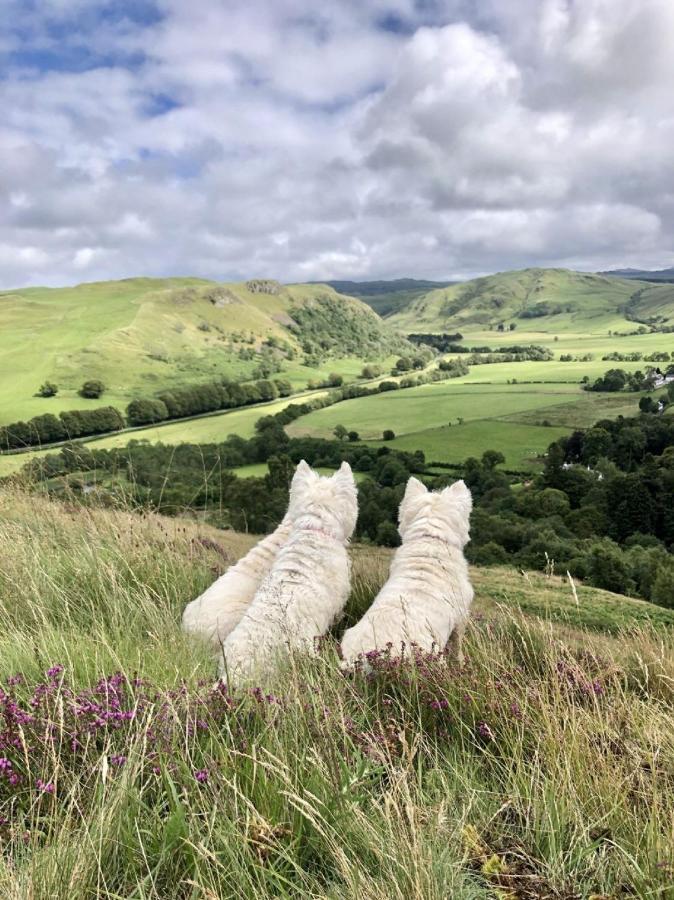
x: 453, y: 420
x: 543, y: 768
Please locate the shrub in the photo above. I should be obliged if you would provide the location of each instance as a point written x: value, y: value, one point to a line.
x: 146, y: 412
x: 662, y: 591
x: 388, y: 435
x: 48, y: 389
x: 92, y: 389
x: 387, y: 535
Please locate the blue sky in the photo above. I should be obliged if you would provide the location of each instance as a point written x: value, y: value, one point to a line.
x: 295, y: 140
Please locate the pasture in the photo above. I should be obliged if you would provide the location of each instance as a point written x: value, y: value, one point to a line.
x: 453, y: 420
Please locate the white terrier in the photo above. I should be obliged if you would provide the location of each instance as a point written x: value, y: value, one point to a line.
x: 426, y: 600
x: 309, y: 581
x: 217, y: 612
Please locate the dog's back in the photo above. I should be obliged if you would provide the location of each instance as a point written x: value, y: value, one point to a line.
x: 427, y: 597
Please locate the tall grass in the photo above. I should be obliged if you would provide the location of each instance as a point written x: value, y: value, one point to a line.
x: 543, y: 768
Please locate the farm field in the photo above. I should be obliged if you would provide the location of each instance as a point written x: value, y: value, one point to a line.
x: 520, y: 420
x: 521, y: 445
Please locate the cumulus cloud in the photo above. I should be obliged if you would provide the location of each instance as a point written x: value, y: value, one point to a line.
x: 282, y: 139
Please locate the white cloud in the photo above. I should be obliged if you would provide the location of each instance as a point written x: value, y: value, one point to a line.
x: 275, y: 137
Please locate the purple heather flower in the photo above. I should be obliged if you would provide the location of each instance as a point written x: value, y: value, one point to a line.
x: 46, y: 787
x: 201, y: 776
x: 485, y: 731
x: 5, y: 764
x: 117, y: 759
x: 54, y: 671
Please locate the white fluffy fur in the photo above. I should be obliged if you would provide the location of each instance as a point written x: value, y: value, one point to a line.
x: 216, y: 613
x: 308, y: 584
x: 427, y: 597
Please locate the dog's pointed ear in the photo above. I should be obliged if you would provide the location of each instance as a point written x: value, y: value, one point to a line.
x: 303, y: 475
x: 415, y: 488
x: 413, y: 491
x: 344, y: 476
x: 459, y: 494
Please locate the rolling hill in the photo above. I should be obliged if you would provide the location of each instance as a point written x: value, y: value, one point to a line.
x: 540, y: 300
x: 388, y: 297
x: 141, y: 335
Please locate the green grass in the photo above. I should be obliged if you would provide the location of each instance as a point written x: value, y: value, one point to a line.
x: 429, y: 406
x: 543, y: 768
x: 521, y: 445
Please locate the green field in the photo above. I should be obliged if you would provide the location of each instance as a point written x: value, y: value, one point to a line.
x: 520, y: 420
x: 522, y: 445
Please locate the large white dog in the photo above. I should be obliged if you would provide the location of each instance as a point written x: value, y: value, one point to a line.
x: 216, y: 612
x: 426, y: 600
x: 308, y: 585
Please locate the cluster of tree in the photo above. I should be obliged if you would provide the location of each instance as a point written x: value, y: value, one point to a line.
x: 657, y: 356
x: 69, y: 424
x: 543, y: 309
x: 580, y: 357
x: 514, y: 353
x: 91, y: 390
x: 197, y: 399
x: 327, y: 326
x: 440, y: 342
x: 615, y: 380
x: 410, y: 363
x: 191, y: 476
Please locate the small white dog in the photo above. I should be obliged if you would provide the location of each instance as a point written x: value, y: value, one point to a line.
x: 308, y: 584
x: 426, y: 600
x: 216, y: 613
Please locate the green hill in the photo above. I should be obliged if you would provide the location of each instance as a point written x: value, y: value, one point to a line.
x: 540, y: 300
x: 388, y: 297
x: 141, y: 335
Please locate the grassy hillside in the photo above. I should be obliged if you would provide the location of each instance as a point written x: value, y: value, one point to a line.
x: 142, y: 335
x: 388, y: 297
x: 554, y: 301
x: 543, y: 768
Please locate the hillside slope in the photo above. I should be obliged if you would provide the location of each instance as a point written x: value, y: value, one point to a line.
x: 547, y: 300
x: 541, y: 768
x: 388, y: 297
x: 143, y: 334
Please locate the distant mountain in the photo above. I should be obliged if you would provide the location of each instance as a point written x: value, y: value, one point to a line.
x: 643, y: 274
x: 543, y: 300
x: 387, y: 297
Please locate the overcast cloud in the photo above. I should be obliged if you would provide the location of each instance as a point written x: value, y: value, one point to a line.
x: 346, y: 139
